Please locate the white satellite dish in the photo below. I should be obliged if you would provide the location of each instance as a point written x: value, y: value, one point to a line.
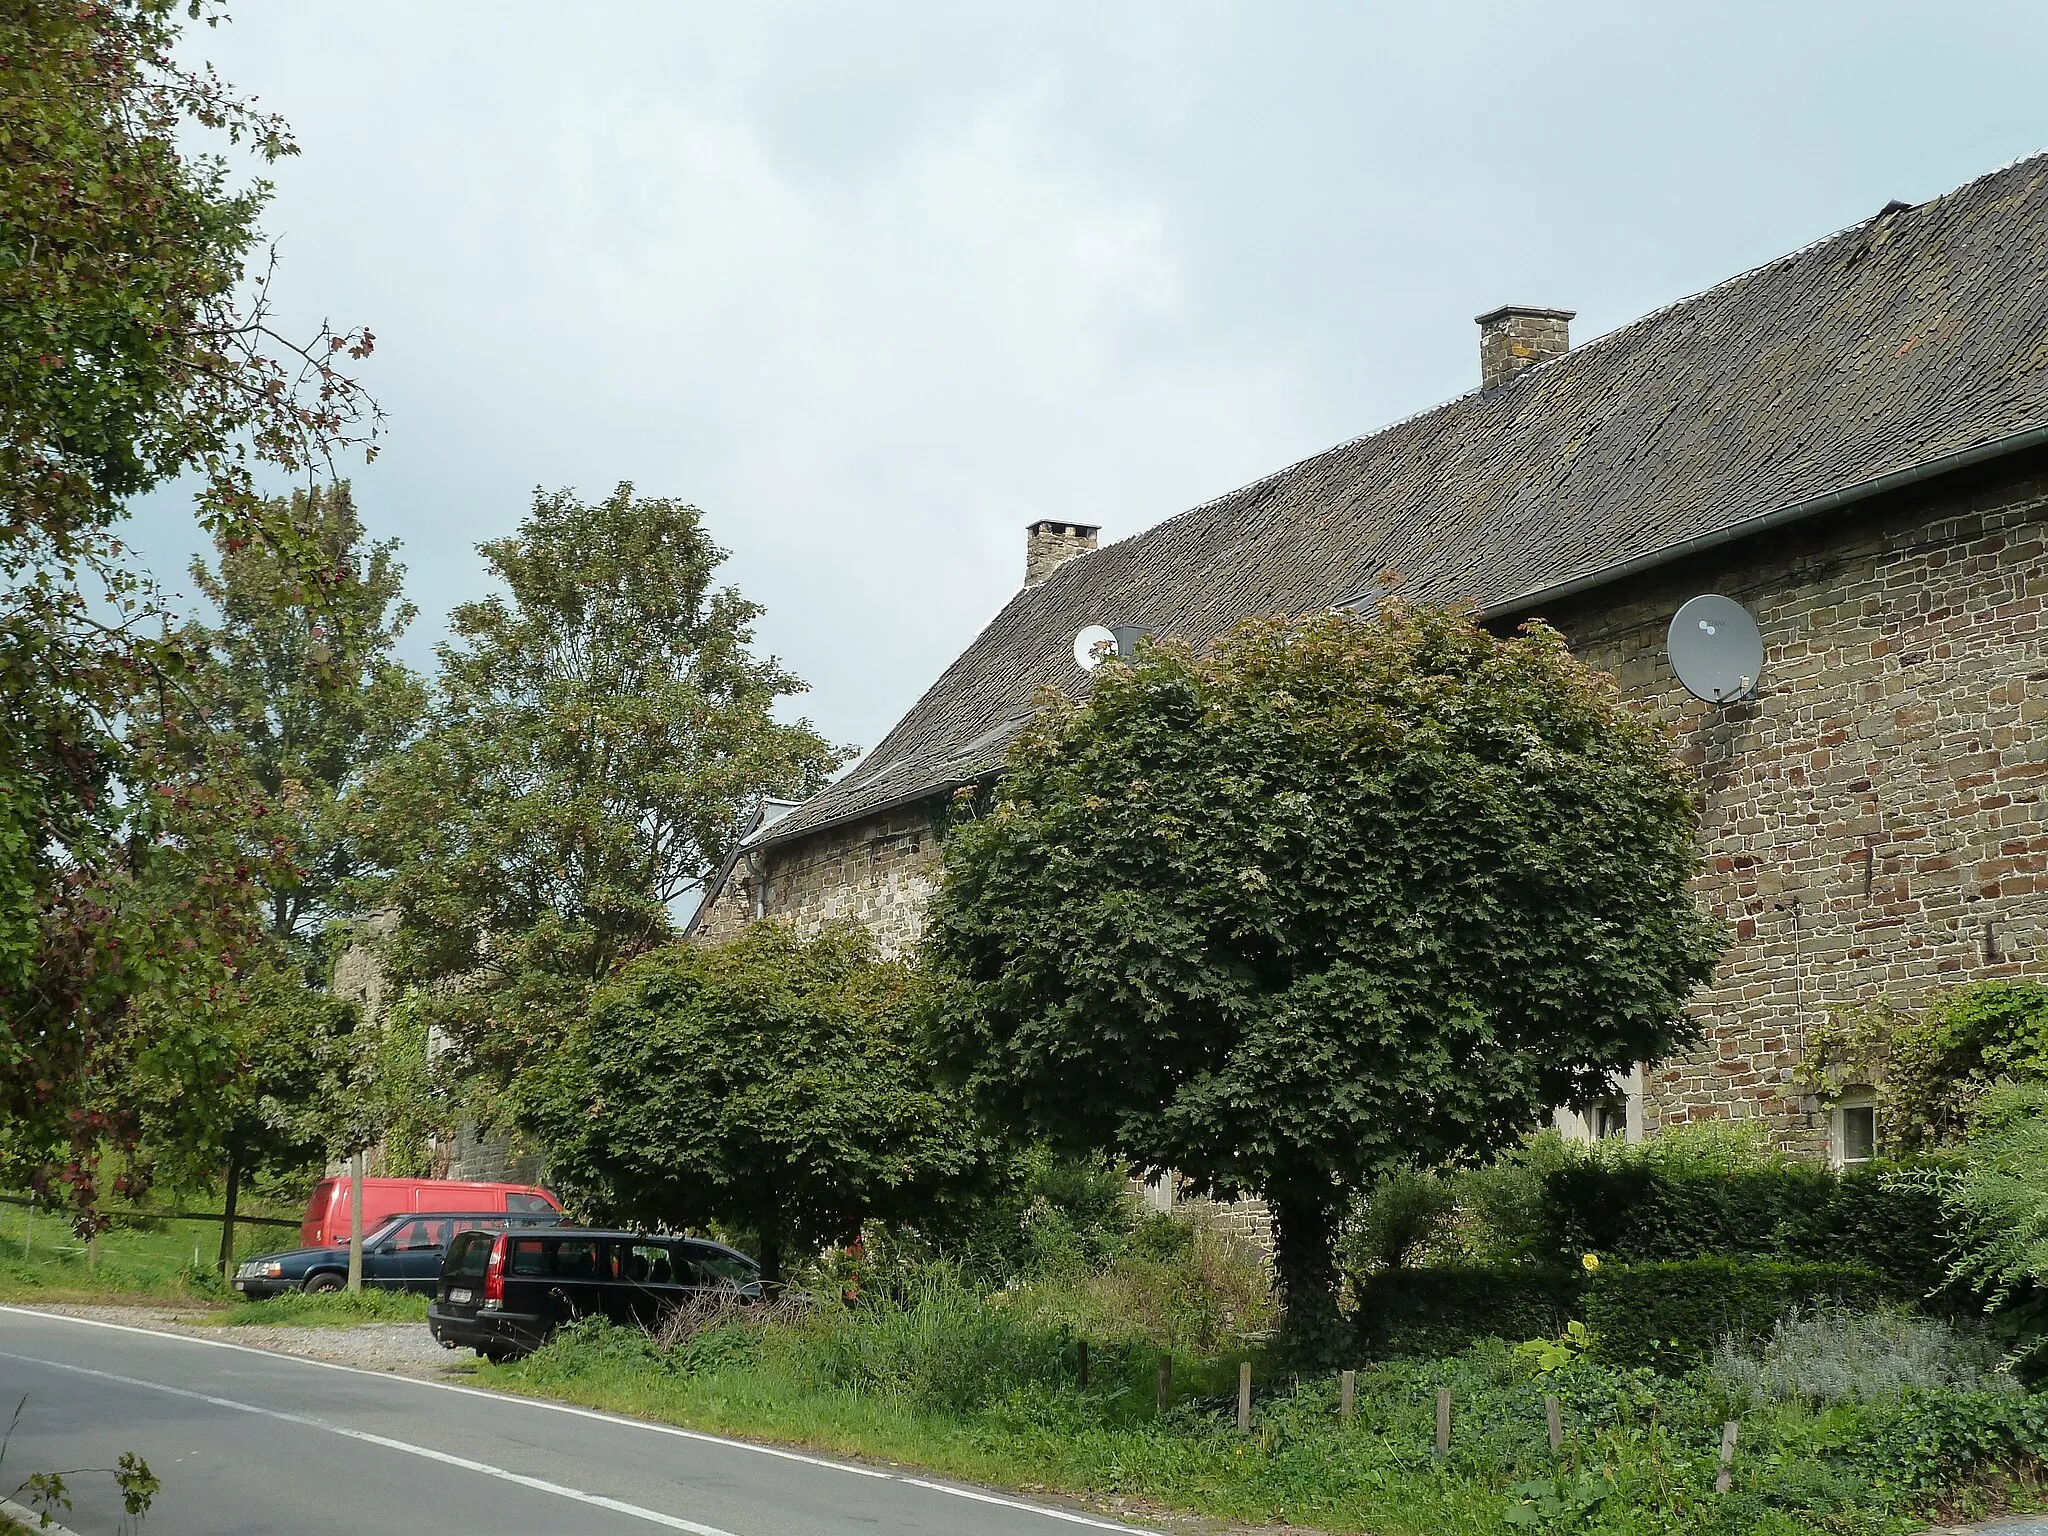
x: 1092, y: 645
x: 1716, y: 649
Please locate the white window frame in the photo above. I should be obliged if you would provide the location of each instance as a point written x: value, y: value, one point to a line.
x: 1856, y: 1100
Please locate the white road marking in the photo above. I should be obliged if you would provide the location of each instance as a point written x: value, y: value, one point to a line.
x: 426, y: 1452
x: 1036, y: 1509
x: 1050, y: 1513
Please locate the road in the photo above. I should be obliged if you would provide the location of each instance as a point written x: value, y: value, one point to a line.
x: 251, y: 1443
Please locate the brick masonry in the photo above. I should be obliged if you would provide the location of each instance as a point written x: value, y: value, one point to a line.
x: 1875, y: 819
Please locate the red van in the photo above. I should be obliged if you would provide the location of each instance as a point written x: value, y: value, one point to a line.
x: 327, y: 1213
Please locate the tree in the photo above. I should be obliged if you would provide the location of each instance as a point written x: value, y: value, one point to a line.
x: 595, y: 746
x: 773, y: 1084
x: 132, y: 349
x: 306, y: 692
x: 1334, y: 896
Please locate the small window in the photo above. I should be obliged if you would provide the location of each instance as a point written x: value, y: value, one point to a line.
x: 1859, y: 1132
x: 1852, y: 1127
x: 1609, y: 1120
x: 528, y: 1205
x: 424, y: 1234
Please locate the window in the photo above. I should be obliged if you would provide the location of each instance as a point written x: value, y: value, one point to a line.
x: 1853, y: 1134
x: 647, y: 1264
x: 715, y: 1266
x: 1608, y: 1120
x: 417, y: 1235
x: 530, y: 1257
x: 528, y: 1205
x: 470, y: 1255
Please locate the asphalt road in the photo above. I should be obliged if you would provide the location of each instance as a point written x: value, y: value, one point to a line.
x: 250, y: 1443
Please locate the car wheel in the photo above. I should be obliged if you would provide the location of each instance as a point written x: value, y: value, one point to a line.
x: 324, y: 1282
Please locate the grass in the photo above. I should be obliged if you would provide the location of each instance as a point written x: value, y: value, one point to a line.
x: 160, y: 1262
x: 984, y: 1385
x: 327, y: 1309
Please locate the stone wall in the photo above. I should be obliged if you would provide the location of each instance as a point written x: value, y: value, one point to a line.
x: 1875, y: 818
x: 879, y: 872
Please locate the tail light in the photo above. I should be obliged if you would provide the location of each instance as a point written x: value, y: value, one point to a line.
x: 494, y: 1273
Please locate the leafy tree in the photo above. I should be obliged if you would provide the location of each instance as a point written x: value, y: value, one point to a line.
x: 599, y: 736
x: 1334, y: 896
x: 304, y: 690
x: 772, y: 1084
x: 132, y: 350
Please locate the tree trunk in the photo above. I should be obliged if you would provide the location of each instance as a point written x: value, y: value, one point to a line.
x: 1305, y: 1263
x: 771, y: 1261
x: 227, y: 1218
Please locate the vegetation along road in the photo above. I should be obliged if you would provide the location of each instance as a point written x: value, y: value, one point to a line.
x: 248, y: 1441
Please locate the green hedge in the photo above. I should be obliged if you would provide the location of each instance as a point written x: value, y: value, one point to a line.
x: 1433, y: 1312
x: 1798, y: 1212
x: 1672, y: 1315
x: 1668, y: 1315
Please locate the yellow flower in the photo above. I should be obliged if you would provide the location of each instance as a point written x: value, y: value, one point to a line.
x: 1591, y: 1261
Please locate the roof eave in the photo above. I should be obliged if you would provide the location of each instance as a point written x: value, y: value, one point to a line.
x: 1763, y: 522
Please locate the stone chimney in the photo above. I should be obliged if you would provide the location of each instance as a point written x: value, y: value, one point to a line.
x: 1049, y: 545
x: 1514, y: 337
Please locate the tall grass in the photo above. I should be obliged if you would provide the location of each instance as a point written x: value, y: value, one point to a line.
x: 1828, y: 1355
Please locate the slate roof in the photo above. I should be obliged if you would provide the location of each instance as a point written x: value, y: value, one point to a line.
x: 1915, y: 335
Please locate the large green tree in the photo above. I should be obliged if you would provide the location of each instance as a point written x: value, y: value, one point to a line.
x: 1334, y: 896
x: 599, y: 734
x: 135, y: 346
x: 300, y: 688
x: 773, y: 1084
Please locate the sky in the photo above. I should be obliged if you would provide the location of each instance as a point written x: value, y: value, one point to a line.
x: 876, y: 286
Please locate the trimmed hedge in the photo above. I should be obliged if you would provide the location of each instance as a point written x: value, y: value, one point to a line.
x: 1797, y: 1212
x: 1672, y: 1315
x: 1433, y: 1312
x: 1668, y: 1315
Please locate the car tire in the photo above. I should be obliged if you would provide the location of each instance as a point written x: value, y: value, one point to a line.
x: 326, y: 1281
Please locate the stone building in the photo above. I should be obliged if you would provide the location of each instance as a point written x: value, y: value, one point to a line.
x: 1849, y: 441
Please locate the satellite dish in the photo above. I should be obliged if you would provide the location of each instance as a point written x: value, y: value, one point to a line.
x: 1716, y: 649
x: 1091, y: 645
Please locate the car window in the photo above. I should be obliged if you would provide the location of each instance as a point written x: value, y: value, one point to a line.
x: 715, y: 1266
x: 431, y: 1233
x: 563, y: 1258
x: 383, y: 1232
x: 647, y: 1264
x: 527, y: 1205
x: 469, y: 1255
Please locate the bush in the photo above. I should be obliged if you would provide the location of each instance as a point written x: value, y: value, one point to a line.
x: 1405, y: 1219
x: 1639, y: 1212
x: 1672, y: 1316
x: 1941, y: 1439
x: 1823, y: 1354
x: 1424, y: 1312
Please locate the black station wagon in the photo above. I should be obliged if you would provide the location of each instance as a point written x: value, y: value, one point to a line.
x: 504, y: 1293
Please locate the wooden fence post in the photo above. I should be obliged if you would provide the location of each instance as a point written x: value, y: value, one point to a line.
x: 1244, y: 1396
x: 1728, y: 1433
x: 1165, y: 1382
x: 1083, y: 1348
x: 1347, y: 1394
x: 1551, y: 1411
x: 30, y: 1236
x: 1443, y: 1421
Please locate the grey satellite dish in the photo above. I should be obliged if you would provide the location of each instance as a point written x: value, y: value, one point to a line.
x: 1091, y: 645
x: 1716, y: 648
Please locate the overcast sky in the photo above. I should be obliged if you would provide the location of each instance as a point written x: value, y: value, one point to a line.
x: 877, y: 285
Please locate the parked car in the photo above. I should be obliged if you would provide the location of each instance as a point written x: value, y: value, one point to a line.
x: 503, y: 1294
x: 402, y: 1255
x: 327, y: 1212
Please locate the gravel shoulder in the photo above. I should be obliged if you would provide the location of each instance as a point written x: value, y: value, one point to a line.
x: 404, y: 1349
